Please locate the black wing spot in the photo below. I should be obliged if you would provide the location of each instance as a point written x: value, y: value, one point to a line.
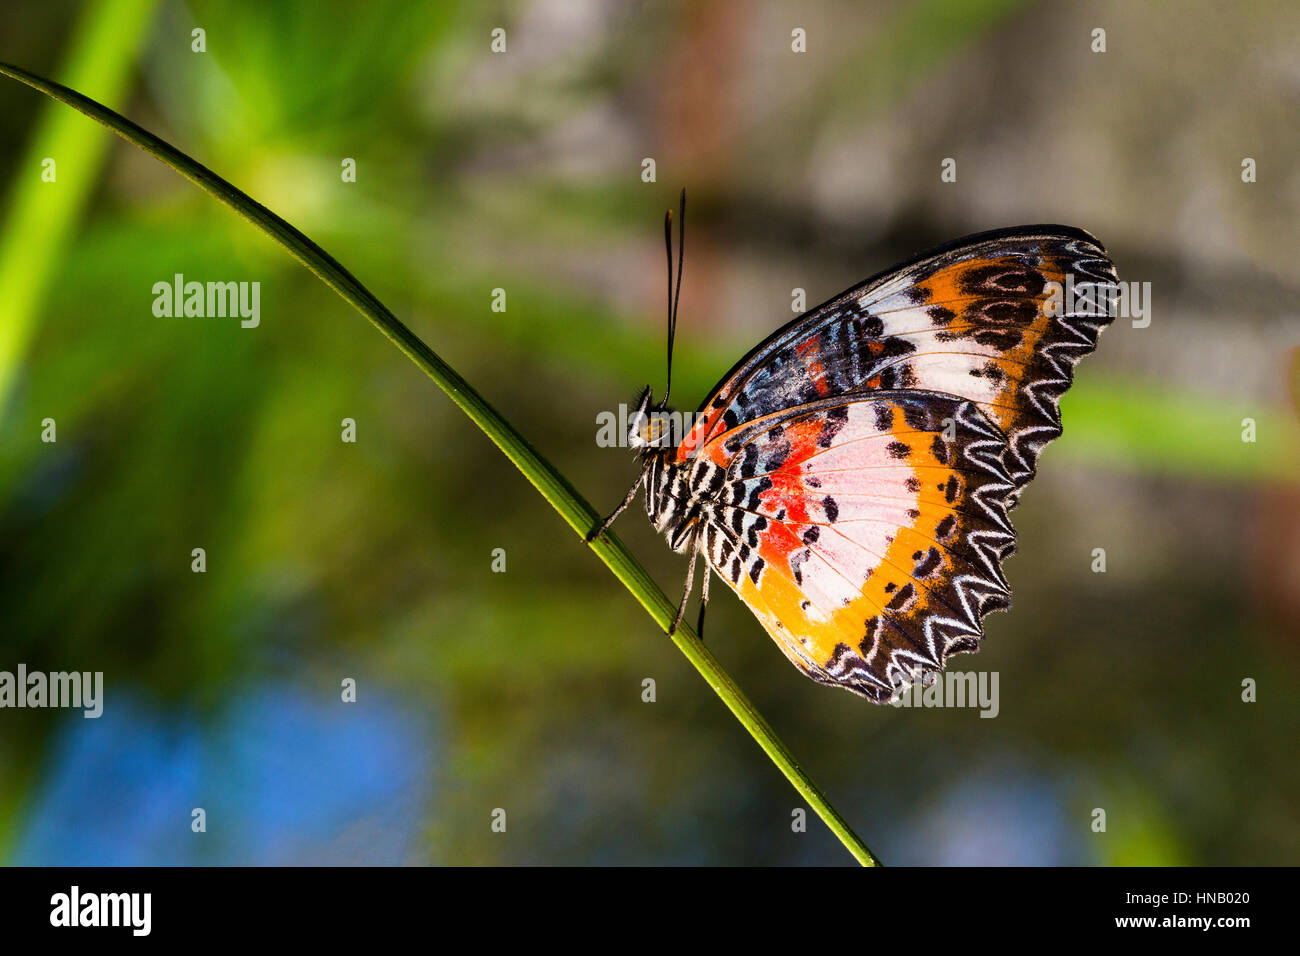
x: 915, y: 415
x: 1022, y: 312
x: 994, y: 373
x: 1000, y: 278
x: 894, y: 347
x: 926, y: 567
x: 1003, y: 341
x: 902, y: 598
x: 869, y: 636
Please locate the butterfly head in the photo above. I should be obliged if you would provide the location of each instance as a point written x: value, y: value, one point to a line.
x: 649, y: 426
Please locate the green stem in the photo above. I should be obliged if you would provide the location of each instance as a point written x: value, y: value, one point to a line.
x: 553, y: 486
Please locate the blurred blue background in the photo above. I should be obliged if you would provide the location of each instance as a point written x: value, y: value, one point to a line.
x: 292, y: 780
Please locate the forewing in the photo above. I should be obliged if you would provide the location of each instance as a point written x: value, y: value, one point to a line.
x: 976, y: 319
x: 866, y: 534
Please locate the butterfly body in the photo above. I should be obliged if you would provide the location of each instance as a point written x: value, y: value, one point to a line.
x: 851, y: 477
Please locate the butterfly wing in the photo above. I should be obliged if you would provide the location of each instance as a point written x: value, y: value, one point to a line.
x: 976, y: 319
x: 866, y: 533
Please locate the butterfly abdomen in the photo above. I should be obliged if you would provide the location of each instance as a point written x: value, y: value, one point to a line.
x: 669, y: 502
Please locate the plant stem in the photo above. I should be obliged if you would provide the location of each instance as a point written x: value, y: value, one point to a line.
x: 552, y: 485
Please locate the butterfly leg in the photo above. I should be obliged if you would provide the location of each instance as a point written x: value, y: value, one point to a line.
x: 690, y: 583
x: 704, y: 601
x: 604, y: 525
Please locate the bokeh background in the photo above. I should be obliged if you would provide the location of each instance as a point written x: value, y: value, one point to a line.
x: 522, y: 690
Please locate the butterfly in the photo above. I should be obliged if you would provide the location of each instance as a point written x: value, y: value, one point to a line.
x: 851, y: 478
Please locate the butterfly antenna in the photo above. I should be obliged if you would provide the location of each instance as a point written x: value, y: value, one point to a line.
x: 674, y: 296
